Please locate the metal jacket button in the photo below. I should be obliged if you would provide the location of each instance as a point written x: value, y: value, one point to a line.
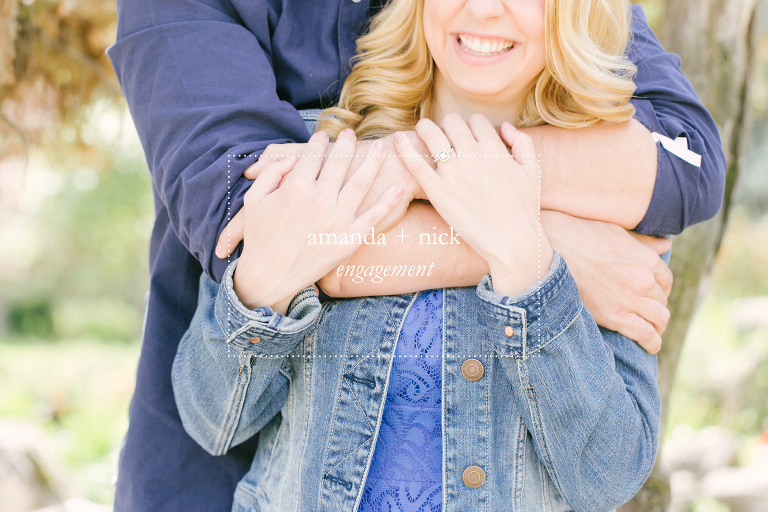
x: 472, y: 369
x: 508, y: 331
x: 473, y: 477
x: 255, y: 340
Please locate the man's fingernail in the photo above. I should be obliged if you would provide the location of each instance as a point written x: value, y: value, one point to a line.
x: 398, y: 191
x: 399, y: 137
x: 219, y: 251
x: 379, y: 145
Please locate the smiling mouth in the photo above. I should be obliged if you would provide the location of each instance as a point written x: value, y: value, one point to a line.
x: 484, y: 47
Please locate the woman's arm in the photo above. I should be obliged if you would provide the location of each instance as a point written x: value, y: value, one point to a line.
x: 230, y: 375
x: 231, y: 372
x: 587, y: 395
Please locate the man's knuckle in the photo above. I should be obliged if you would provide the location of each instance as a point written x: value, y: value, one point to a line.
x: 667, y: 279
x: 647, y: 282
x: 648, y: 332
x: 650, y: 259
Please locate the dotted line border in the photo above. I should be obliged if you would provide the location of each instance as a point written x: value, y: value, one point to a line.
x: 538, y: 243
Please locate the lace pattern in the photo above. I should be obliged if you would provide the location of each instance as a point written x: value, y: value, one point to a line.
x: 406, y: 471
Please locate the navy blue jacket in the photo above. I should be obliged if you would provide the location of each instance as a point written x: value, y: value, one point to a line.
x: 207, y: 80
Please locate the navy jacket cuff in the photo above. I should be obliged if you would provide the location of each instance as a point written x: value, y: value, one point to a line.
x: 663, y: 216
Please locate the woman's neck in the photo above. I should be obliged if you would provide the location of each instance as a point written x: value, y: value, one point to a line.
x: 497, y: 108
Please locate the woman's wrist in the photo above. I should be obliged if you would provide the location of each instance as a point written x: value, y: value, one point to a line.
x: 253, y: 291
x: 518, y: 270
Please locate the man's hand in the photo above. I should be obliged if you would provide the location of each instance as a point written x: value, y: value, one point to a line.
x: 392, y: 172
x: 621, y: 279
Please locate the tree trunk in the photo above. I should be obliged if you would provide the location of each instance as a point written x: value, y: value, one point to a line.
x: 717, y: 41
x: 8, y: 29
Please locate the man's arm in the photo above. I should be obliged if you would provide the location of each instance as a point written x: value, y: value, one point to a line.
x: 202, y: 93
x: 607, y: 172
x: 666, y: 103
x: 604, y: 172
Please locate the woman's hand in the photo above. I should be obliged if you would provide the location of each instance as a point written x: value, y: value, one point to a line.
x: 489, y: 196
x: 392, y: 172
x: 278, y: 258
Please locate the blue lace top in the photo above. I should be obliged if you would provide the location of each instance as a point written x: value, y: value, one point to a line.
x: 406, y: 473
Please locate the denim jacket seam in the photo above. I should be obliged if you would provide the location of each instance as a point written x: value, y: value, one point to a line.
x: 273, y: 450
x: 352, y: 390
x: 533, y: 406
x: 380, y: 415
x: 335, y: 499
x: 554, y: 337
x: 308, y: 367
x: 252, y: 498
x: 357, y: 449
x: 520, y: 487
x: 366, y: 356
x: 235, y: 407
x: 282, y: 343
x: 488, y: 423
x: 336, y: 406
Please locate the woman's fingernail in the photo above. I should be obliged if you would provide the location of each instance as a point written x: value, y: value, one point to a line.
x: 398, y: 191
x: 378, y: 146
x: 399, y: 137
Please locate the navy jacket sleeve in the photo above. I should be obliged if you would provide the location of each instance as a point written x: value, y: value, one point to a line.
x: 202, y: 93
x: 666, y: 103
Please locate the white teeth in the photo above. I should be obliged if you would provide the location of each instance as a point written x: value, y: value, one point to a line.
x: 483, y: 47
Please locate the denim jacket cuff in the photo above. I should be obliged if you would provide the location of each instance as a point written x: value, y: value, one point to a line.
x: 519, y: 326
x: 262, y: 331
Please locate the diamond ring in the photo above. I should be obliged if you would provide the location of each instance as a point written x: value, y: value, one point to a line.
x: 444, y: 155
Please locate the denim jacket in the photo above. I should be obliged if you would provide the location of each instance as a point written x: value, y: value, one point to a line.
x: 563, y: 417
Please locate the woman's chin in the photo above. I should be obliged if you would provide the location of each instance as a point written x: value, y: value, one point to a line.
x: 477, y: 86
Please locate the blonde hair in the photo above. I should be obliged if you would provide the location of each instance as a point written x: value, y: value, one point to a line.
x: 587, y: 77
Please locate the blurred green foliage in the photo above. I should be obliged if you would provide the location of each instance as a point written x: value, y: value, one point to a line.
x: 722, y: 378
x: 78, y: 391
x: 88, y: 272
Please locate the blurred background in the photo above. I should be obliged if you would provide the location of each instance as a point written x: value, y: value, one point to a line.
x: 76, y: 214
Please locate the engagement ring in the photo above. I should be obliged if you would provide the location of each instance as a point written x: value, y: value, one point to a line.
x: 444, y: 155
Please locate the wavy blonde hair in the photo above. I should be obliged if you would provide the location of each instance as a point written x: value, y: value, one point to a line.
x: 587, y: 77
